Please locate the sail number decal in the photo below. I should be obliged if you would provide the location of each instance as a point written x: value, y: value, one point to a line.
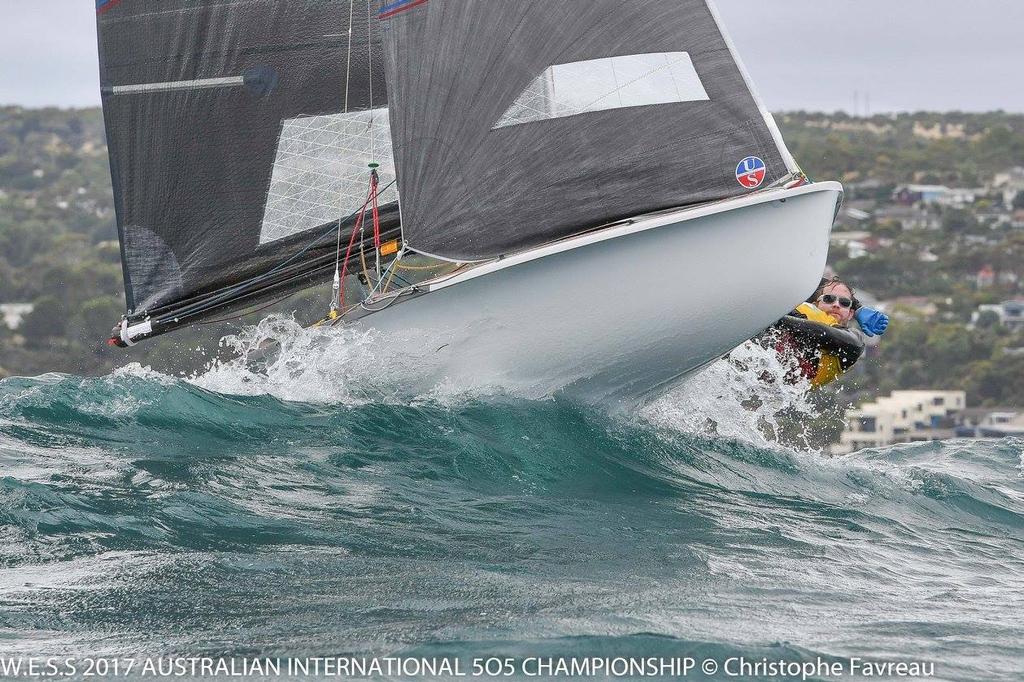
x: 750, y: 172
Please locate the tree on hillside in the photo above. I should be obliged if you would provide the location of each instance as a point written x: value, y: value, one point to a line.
x: 987, y: 319
x: 46, y: 321
x: 95, y: 318
x: 958, y: 220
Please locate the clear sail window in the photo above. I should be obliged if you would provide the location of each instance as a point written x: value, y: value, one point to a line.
x: 321, y: 170
x: 634, y: 80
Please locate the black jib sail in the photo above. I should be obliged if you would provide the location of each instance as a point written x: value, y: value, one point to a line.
x: 518, y: 123
x: 239, y: 134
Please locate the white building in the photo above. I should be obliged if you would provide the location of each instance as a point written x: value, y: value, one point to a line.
x: 902, y: 417
x: 958, y: 197
x: 908, y: 217
x: 1010, y: 313
x: 1009, y: 183
x: 854, y: 242
x: 12, y: 313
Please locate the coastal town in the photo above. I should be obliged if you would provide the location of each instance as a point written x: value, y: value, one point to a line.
x: 931, y: 232
x: 934, y: 226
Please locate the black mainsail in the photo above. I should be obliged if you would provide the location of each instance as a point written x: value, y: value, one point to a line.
x: 517, y: 123
x: 238, y: 131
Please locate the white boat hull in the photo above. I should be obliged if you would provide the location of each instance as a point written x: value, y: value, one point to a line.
x: 622, y: 314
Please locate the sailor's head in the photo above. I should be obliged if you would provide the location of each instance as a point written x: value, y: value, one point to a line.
x: 836, y: 298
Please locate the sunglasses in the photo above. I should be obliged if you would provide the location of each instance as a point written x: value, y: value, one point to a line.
x: 829, y: 299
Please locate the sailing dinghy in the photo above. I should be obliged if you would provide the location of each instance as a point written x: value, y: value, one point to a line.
x: 585, y: 196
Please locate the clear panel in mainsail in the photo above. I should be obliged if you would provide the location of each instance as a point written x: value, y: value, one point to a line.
x: 196, y: 96
x: 512, y: 127
x: 633, y: 80
x: 321, y: 170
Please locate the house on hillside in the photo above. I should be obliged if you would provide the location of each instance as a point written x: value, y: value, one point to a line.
x: 13, y: 313
x: 908, y: 218
x: 1009, y: 182
x: 908, y: 195
x: 853, y: 242
x: 1010, y: 313
x: 985, y: 277
x: 902, y: 417
x: 1008, y: 277
x: 994, y: 218
x: 855, y: 214
x: 939, y: 131
x: 1017, y: 219
x: 960, y: 197
x: 989, y: 422
x: 909, y: 307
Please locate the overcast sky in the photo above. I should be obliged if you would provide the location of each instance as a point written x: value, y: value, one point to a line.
x: 896, y: 55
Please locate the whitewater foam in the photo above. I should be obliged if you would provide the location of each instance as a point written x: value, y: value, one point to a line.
x: 339, y: 365
x: 744, y: 396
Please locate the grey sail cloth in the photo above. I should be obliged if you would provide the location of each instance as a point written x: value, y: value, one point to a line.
x: 490, y: 160
x: 196, y: 94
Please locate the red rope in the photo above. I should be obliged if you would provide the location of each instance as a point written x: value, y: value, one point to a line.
x: 352, y: 240
x: 376, y: 215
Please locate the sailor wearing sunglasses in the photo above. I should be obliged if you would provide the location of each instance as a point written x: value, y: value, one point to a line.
x: 836, y: 298
x: 821, y: 335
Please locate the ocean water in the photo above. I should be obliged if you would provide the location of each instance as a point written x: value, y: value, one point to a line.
x: 310, y: 508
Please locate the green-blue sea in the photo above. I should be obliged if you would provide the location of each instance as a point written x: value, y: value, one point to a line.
x: 294, y: 512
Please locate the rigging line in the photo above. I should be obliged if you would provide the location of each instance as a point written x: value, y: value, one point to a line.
x: 348, y: 252
x: 384, y: 290
x: 219, y: 298
x: 380, y: 279
x: 337, y: 286
x: 335, y: 295
x: 348, y: 59
x: 202, y: 306
x: 369, y: 57
x: 369, y: 54
x: 362, y: 257
x: 337, y: 320
x: 373, y: 151
x: 249, y: 312
x: 433, y: 266
x: 397, y: 295
x: 401, y: 279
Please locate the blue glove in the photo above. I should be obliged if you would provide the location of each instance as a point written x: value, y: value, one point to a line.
x: 872, y: 321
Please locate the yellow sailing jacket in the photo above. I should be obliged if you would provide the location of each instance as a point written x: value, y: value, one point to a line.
x: 829, y: 366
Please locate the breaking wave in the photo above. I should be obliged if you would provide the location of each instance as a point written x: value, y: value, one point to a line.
x: 301, y: 508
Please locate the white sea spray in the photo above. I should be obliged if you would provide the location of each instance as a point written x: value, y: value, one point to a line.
x: 338, y: 365
x: 742, y: 396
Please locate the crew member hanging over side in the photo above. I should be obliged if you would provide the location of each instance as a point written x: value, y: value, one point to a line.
x: 826, y: 334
